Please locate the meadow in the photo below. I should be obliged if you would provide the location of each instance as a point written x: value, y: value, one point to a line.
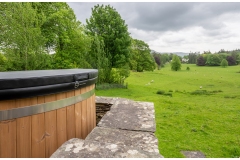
x: 190, y: 117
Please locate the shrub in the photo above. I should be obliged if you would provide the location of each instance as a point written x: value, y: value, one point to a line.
x: 224, y: 63
x: 170, y: 90
x: 118, y: 76
x: 160, y: 92
x: 176, y: 63
x: 200, y: 92
x: 168, y: 94
x: 106, y: 86
x: 188, y: 68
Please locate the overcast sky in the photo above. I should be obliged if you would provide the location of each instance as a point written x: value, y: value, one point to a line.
x: 177, y: 26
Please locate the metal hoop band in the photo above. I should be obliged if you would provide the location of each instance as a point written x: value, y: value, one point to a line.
x: 45, y: 107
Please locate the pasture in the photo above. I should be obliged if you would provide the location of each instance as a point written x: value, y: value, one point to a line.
x: 193, y: 119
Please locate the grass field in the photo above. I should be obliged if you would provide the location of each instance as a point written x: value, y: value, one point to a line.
x: 207, y: 121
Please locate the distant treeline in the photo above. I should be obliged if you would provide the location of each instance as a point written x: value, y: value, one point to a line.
x: 205, y: 59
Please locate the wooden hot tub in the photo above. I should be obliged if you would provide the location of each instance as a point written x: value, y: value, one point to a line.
x: 40, y: 110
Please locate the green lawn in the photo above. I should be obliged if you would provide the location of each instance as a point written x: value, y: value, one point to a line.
x: 208, y: 123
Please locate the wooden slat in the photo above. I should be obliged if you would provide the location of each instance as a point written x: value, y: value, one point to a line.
x: 8, y: 132
x: 61, y: 122
x: 78, y: 116
x: 88, y: 108
x: 24, y: 129
x: 84, y: 116
x: 94, y: 107
x: 9, y: 104
x: 8, y: 136
x: 38, y: 133
x: 50, y: 128
x: 71, y: 127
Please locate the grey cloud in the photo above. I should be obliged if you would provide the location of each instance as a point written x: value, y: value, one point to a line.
x: 150, y: 21
x: 164, y: 16
x: 176, y: 16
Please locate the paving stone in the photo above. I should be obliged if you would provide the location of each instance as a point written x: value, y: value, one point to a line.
x: 145, y: 141
x: 75, y: 148
x: 130, y: 115
x: 193, y: 154
x: 126, y: 131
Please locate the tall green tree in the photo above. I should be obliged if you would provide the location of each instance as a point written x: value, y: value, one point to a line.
x: 106, y: 23
x: 176, y: 63
x: 97, y: 58
x: 21, y: 40
x: 141, y: 58
x: 192, y: 58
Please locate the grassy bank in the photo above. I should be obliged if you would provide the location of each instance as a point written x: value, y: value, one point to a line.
x: 206, y: 119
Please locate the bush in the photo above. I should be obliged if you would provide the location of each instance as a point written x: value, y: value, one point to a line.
x: 188, y: 68
x: 168, y: 94
x: 200, y: 92
x: 118, y: 76
x: 176, y: 63
x: 224, y: 63
x: 160, y: 92
x: 106, y: 86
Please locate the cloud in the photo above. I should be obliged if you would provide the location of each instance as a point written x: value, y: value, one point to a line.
x: 177, y: 26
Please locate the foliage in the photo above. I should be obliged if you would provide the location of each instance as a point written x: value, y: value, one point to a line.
x: 106, y: 86
x: 157, y: 60
x: 2, y: 62
x: 224, y: 63
x: 107, y: 24
x: 32, y: 30
x: 188, y: 68
x: 192, y: 58
x: 176, y: 63
x: 21, y: 38
x: 141, y: 59
x: 201, y: 61
x: 231, y: 61
x: 160, y: 92
x: 164, y: 59
x: 116, y: 76
x: 213, y: 60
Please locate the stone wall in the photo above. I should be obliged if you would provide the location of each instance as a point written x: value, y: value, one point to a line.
x: 125, y: 131
x: 101, y: 110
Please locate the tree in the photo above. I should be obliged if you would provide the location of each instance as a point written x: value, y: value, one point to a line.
x: 2, y: 62
x: 141, y: 56
x: 107, y: 24
x: 213, y: 60
x: 231, y: 60
x: 157, y: 60
x: 224, y: 63
x: 97, y: 58
x: 192, y: 58
x: 176, y: 63
x: 21, y: 40
x: 200, y: 61
x: 64, y: 35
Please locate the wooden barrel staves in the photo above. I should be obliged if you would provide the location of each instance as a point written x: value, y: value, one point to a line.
x: 40, y: 110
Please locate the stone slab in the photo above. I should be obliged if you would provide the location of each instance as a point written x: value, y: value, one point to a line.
x: 193, y: 154
x: 78, y: 148
x: 145, y: 141
x: 130, y: 115
x: 126, y: 131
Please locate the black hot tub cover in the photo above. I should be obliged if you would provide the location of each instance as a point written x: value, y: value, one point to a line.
x: 22, y: 84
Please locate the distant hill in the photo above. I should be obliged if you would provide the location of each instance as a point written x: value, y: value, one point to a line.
x: 181, y: 54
